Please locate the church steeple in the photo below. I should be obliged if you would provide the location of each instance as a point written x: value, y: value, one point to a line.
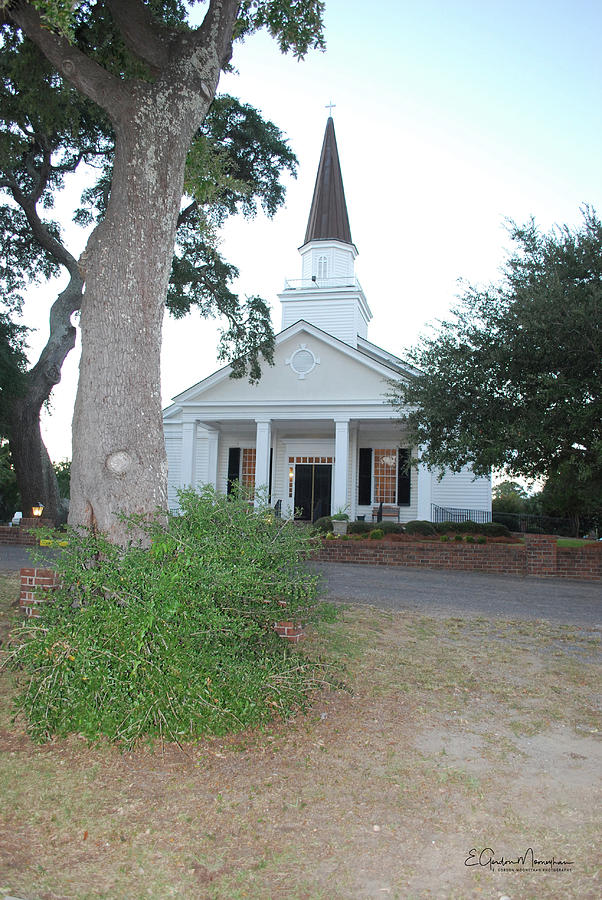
x: 328, y: 219
x: 328, y: 294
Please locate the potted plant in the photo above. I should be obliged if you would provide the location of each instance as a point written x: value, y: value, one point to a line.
x: 339, y: 521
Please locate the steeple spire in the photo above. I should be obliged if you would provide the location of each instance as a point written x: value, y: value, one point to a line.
x: 328, y: 219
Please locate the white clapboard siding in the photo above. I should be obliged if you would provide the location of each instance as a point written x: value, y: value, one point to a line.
x: 459, y: 490
x: 336, y: 318
x: 173, y: 448
x: 201, y: 460
x: 279, y: 474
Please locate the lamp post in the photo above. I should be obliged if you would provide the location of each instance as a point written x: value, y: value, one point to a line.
x: 37, y: 510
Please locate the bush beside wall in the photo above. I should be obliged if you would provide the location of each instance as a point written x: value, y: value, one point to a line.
x: 538, y: 557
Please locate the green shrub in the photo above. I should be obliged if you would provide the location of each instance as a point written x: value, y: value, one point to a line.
x: 390, y: 527
x: 467, y: 527
x: 356, y: 537
x: 174, y: 641
x: 444, y: 537
x: 444, y: 527
x: 469, y: 539
x: 376, y: 534
x: 481, y: 540
x: 331, y: 536
x: 418, y: 526
x: 323, y: 525
x: 494, y: 529
x: 359, y: 527
x: 458, y: 537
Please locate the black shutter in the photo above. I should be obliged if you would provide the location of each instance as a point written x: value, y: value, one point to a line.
x: 364, y: 481
x: 403, y: 478
x: 270, y: 481
x: 233, y: 467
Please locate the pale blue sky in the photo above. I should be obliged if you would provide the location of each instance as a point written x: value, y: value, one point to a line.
x: 449, y: 117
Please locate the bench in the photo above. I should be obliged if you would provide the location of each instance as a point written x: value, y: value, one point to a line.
x: 385, y: 512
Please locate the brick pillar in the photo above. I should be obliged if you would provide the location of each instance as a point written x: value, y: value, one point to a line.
x: 292, y: 631
x: 35, y: 584
x: 540, y: 552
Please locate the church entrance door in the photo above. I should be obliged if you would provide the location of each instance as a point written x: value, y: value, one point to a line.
x: 313, y: 484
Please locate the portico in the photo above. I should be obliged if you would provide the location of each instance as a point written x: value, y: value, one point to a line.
x: 317, y: 434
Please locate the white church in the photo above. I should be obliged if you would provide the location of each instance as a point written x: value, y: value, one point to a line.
x: 317, y: 432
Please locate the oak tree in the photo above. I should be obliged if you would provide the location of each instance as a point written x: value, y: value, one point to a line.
x: 119, y: 457
x: 513, y: 381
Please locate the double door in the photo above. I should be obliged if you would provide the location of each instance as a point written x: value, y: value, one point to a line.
x: 313, y: 486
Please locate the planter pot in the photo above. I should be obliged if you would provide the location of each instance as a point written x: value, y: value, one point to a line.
x: 339, y: 526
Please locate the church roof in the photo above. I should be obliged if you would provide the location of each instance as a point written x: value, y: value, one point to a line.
x: 328, y: 219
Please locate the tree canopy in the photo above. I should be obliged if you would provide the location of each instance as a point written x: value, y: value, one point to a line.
x: 512, y: 381
x: 154, y: 78
x: 49, y: 130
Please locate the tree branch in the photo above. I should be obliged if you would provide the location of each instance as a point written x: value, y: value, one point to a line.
x: 47, y: 371
x: 187, y: 212
x: 148, y: 39
x: 86, y: 75
x: 217, y: 27
x: 39, y: 230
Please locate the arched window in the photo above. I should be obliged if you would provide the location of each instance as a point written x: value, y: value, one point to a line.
x: 322, y: 267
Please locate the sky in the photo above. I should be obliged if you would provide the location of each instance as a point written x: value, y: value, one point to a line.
x: 450, y: 117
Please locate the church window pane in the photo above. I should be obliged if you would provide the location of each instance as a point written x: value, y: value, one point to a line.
x: 322, y: 267
x: 248, y: 471
x: 385, y: 476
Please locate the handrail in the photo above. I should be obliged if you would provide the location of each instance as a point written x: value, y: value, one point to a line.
x: 297, y: 284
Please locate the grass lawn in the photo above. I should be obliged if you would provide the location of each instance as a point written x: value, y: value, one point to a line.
x: 575, y: 542
x: 452, y: 734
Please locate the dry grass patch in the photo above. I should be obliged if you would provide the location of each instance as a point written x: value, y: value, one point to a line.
x: 453, y: 734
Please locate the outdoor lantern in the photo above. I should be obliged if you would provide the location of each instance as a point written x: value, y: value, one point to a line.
x: 37, y: 510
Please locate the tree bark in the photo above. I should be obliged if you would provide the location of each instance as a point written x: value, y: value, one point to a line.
x: 35, y: 474
x: 119, y: 461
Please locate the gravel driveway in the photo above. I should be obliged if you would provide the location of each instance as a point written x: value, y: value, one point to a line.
x: 465, y: 593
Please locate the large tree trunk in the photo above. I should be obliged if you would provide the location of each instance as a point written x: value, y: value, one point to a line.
x: 119, y: 460
x: 36, y: 478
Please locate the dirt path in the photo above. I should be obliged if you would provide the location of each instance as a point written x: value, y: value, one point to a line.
x: 454, y: 735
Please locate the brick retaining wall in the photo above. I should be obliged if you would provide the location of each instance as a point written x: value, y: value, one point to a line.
x: 21, y: 534
x: 538, y: 556
x: 16, y: 535
x: 36, y: 583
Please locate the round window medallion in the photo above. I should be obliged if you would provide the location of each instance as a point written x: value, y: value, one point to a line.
x: 302, y: 361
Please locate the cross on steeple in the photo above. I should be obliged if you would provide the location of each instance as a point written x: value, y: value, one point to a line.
x: 330, y: 106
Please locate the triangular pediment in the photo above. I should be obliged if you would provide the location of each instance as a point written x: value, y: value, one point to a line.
x: 309, y: 366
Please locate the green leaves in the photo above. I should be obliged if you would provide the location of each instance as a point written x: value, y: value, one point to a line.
x: 176, y: 641
x: 297, y: 25
x: 513, y: 381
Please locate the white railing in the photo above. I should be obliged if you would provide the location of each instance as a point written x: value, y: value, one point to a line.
x: 303, y: 284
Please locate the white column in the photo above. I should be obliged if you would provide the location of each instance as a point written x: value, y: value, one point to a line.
x: 263, y: 443
x: 212, y: 448
x: 340, y: 500
x: 353, y: 453
x: 425, y: 492
x: 188, y: 442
